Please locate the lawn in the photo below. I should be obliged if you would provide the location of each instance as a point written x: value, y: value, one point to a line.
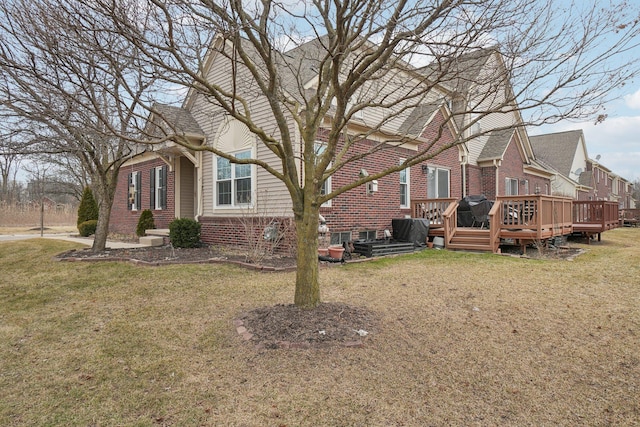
x: 462, y: 339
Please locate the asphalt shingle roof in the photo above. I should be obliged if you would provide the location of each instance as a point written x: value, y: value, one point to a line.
x: 178, y: 119
x: 496, y: 144
x: 557, y: 149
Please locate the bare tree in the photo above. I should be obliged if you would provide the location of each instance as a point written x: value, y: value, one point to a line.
x: 73, y: 89
x: 635, y: 191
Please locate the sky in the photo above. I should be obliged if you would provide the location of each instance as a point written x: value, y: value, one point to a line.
x: 616, y: 140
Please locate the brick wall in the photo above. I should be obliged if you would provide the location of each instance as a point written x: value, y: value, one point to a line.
x: 358, y: 210
x: 475, y: 181
x: 125, y: 221
x: 245, y: 231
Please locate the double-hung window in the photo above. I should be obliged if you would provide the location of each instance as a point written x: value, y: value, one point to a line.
x: 438, y: 182
x: 158, y: 184
x: 233, y: 181
x: 404, y: 187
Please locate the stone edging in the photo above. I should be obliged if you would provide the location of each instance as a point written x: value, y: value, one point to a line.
x: 263, y: 268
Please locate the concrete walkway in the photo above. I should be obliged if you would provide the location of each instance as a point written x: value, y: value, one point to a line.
x: 69, y: 237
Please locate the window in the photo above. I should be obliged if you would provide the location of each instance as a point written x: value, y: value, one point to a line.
x: 404, y: 187
x: 340, y: 238
x: 526, y: 186
x: 319, y: 148
x: 233, y: 181
x: 475, y: 127
x: 368, y: 235
x: 134, y: 199
x: 437, y: 182
x: 158, y: 185
x: 510, y: 187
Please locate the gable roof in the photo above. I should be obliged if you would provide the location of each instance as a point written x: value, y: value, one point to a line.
x: 496, y: 145
x: 557, y: 149
x: 417, y: 121
x: 177, y: 119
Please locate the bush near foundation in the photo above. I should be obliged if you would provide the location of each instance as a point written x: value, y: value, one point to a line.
x: 184, y: 233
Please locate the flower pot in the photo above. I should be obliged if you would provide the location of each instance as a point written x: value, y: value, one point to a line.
x: 430, y: 245
x: 323, y: 251
x: 336, y: 252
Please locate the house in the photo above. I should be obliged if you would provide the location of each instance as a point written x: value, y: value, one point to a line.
x: 566, y: 155
x: 576, y: 175
x: 496, y: 158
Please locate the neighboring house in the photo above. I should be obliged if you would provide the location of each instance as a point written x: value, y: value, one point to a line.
x: 175, y: 182
x: 577, y: 175
x: 566, y: 154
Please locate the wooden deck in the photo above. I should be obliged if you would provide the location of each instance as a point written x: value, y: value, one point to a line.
x: 518, y: 219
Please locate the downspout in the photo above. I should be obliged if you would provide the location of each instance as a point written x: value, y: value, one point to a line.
x: 199, y: 203
x: 464, y: 177
x: 496, y: 164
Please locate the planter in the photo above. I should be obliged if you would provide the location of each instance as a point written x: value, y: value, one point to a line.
x: 430, y: 245
x: 336, y: 252
x: 323, y: 251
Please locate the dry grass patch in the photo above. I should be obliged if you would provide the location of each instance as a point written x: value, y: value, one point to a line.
x: 462, y: 339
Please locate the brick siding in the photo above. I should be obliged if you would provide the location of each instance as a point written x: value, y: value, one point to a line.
x: 125, y: 221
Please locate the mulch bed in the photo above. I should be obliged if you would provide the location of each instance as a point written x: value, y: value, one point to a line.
x: 288, y: 326
x: 164, y: 255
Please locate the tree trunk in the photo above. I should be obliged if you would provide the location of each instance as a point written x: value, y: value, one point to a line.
x: 102, y: 229
x: 307, y: 293
x: 104, y: 193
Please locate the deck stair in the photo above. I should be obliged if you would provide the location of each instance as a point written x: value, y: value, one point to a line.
x: 470, y: 239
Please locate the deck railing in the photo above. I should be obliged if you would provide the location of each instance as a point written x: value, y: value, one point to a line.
x: 525, y: 218
x: 596, y: 212
x: 431, y: 209
x: 541, y: 213
x: 450, y: 221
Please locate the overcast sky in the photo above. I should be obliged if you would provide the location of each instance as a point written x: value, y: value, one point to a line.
x: 617, y: 139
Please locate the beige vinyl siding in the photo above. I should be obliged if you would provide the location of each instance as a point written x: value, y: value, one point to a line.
x: 493, y: 120
x: 209, y: 117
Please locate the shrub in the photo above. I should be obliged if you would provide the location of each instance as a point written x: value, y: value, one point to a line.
x: 88, y: 208
x: 145, y: 222
x: 184, y: 233
x: 88, y: 228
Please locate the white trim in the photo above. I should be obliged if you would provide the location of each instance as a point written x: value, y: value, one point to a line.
x: 407, y: 183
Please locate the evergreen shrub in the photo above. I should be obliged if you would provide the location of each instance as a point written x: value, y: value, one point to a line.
x: 184, y: 233
x: 88, y: 228
x: 88, y: 208
x: 145, y: 222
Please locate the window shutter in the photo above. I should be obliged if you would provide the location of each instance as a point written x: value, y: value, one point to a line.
x: 129, y: 206
x: 163, y: 191
x: 138, y: 190
x: 152, y: 187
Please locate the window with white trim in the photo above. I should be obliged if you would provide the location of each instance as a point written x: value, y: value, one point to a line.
x: 475, y: 128
x: 158, y: 184
x: 233, y: 181
x: 319, y: 148
x: 438, y: 182
x: 405, y: 187
x: 511, y: 187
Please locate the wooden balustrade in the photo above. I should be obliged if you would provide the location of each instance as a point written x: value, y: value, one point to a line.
x: 527, y: 218
x: 431, y: 209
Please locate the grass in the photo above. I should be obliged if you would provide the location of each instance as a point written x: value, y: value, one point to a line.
x: 464, y: 339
